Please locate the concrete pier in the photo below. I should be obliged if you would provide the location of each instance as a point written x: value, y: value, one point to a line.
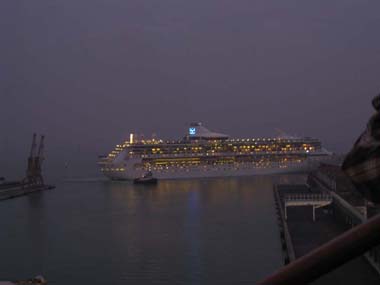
x: 19, y: 190
x: 307, y: 229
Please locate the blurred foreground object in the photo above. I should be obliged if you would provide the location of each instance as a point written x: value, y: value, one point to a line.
x: 362, y: 164
x: 38, y: 280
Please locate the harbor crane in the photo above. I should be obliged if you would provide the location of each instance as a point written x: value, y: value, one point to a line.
x: 35, y: 159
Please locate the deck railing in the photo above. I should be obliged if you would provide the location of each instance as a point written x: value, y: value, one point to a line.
x: 307, y: 197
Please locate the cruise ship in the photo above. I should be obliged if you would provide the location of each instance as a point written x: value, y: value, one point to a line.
x: 204, y: 153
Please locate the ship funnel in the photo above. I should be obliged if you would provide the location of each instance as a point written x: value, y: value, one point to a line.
x: 198, y: 131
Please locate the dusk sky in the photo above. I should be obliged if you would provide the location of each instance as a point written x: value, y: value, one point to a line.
x: 86, y: 73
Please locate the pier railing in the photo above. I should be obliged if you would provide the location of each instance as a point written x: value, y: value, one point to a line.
x: 307, y: 197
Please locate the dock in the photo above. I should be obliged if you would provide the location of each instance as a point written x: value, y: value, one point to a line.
x: 312, y: 214
x: 13, y: 192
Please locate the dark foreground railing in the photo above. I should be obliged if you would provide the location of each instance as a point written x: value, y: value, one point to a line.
x: 326, y: 258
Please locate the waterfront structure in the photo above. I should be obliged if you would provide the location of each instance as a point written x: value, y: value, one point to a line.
x: 33, y: 180
x: 311, y: 250
x: 349, y: 207
x: 203, y: 153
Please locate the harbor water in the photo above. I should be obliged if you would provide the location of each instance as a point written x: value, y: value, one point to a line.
x: 210, y: 231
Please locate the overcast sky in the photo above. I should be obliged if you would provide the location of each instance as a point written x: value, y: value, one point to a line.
x: 88, y: 72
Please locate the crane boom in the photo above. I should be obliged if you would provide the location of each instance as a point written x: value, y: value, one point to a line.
x: 33, y: 147
x: 41, y: 148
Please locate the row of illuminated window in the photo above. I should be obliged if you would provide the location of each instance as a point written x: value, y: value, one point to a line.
x: 220, y: 161
x: 217, y: 166
x: 155, y: 141
x: 218, y: 149
x: 212, y: 148
x: 256, y: 140
x: 113, y: 169
x: 217, y: 155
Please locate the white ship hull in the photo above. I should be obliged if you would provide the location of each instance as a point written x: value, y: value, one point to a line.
x: 209, y: 172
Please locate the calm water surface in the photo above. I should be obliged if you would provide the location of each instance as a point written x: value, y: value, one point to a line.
x: 212, y: 231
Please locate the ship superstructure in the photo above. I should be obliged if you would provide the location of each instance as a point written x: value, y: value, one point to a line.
x: 203, y: 153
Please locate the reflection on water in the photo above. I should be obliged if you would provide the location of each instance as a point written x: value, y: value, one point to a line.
x: 181, y: 232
